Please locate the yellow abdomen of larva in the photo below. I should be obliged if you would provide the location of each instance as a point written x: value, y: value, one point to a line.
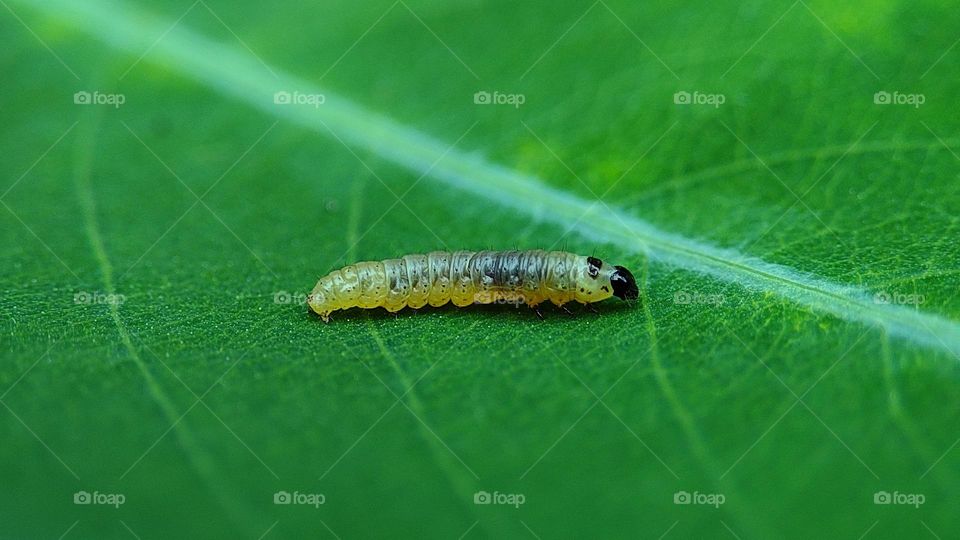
x: 471, y: 277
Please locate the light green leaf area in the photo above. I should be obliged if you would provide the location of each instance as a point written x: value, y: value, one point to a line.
x: 794, y: 355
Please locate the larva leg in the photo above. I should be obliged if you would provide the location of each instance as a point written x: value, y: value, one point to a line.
x: 372, y: 278
x: 462, y: 293
x: 439, y: 272
x: 533, y: 271
x: 418, y: 274
x: 347, y: 285
x: 322, y: 299
x: 560, y: 283
x: 398, y: 283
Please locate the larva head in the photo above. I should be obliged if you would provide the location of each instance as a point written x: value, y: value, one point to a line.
x: 600, y: 281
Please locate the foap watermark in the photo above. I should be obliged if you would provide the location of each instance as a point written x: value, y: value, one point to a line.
x: 687, y: 298
x: 903, y: 299
x: 298, y: 98
x: 105, y: 499
x: 898, y: 98
x: 483, y: 97
x: 99, y: 98
x: 508, y: 499
x: 285, y: 297
x: 306, y: 499
x: 907, y: 499
x: 504, y: 297
x: 683, y: 97
x: 97, y: 297
x: 706, y: 499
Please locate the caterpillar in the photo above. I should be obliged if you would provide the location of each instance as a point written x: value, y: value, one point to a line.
x: 471, y: 277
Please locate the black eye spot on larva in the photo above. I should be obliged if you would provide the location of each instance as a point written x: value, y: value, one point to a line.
x: 624, y: 286
x: 593, y: 267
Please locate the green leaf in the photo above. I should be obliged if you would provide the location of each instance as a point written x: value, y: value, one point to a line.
x: 780, y: 178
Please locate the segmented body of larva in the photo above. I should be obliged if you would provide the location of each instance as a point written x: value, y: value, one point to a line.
x: 471, y: 277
